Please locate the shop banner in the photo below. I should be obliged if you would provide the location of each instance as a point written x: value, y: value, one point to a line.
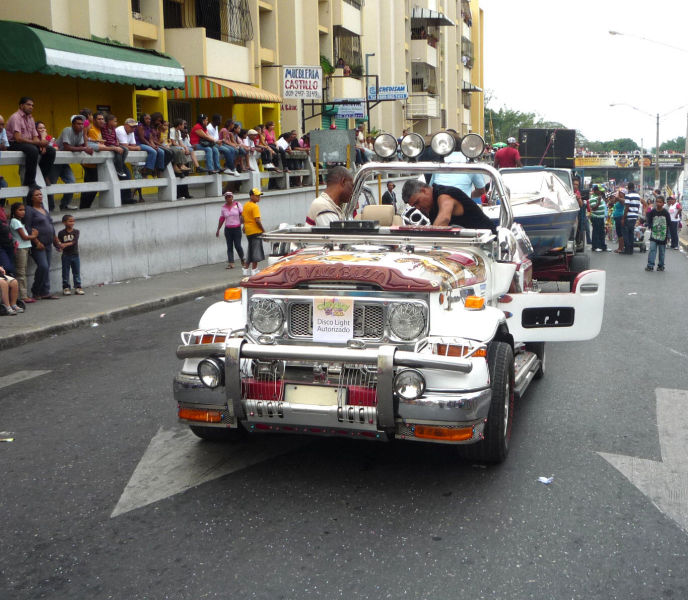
x: 302, y: 82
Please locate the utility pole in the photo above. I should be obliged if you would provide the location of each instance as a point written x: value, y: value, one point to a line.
x: 657, y: 156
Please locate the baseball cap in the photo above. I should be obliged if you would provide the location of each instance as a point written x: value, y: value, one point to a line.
x: 76, y: 117
x: 511, y: 140
x: 256, y: 192
x: 252, y: 132
x: 229, y: 193
x: 130, y: 121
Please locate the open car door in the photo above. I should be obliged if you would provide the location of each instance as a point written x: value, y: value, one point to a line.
x: 558, y: 316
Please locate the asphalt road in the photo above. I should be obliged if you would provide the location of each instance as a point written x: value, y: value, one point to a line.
x: 338, y: 519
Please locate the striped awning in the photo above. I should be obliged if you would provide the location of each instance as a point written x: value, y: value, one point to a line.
x: 197, y: 86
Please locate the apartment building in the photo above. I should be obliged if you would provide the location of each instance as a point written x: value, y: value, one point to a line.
x: 185, y: 57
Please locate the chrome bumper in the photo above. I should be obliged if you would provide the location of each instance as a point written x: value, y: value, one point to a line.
x: 448, y: 407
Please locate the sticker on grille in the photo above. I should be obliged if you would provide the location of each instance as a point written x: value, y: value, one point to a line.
x: 369, y: 320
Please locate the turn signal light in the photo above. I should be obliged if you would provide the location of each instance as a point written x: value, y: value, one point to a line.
x: 445, y: 434
x: 209, y: 338
x: 197, y: 414
x: 474, y: 302
x: 451, y: 350
x: 232, y: 294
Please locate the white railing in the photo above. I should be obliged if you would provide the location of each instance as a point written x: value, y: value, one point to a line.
x: 109, y: 185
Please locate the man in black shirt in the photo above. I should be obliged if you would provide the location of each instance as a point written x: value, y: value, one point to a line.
x: 445, y: 205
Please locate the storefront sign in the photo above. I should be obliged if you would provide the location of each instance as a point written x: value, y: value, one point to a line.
x: 333, y: 319
x: 302, y: 82
x: 388, y: 92
x: 629, y: 161
x: 354, y: 109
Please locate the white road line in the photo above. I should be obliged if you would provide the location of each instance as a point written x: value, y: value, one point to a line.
x: 19, y: 376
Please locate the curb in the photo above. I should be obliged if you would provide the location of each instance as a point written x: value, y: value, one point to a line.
x: 115, y: 314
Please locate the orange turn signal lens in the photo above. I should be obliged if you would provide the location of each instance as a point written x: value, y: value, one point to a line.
x: 232, y: 294
x: 197, y: 414
x: 209, y: 338
x: 451, y: 350
x: 474, y: 302
x: 445, y: 434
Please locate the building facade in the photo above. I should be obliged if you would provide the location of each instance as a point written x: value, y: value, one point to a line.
x: 232, y: 53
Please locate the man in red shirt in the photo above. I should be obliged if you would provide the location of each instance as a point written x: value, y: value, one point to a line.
x: 509, y: 156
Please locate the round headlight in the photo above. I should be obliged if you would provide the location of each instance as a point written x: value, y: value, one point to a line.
x: 211, y: 372
x: 407, y: 321
x: 412, y: 145
x: 266, y: 315
x: 442, y: 143
x: 409, y: 384
x: 472, y: 145
x: 385, y: 145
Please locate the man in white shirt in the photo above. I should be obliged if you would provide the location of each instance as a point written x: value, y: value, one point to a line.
x: 328, y: 206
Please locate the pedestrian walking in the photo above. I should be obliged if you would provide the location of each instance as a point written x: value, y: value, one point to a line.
x: 632, y: 206
x: 674, y: 209
x: 658, y: 220
x: 598, y: 218
x: 230, y: 216
x: 69, y: 237
x: 253, y: 228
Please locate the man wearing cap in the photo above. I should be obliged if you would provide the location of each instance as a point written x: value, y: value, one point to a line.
x: 71, y: 139
x: 253, y: 228
x: 328, y: 206
x: 508, y: 157
x: 125, y: 135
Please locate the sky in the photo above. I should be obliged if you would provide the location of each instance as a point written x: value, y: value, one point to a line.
x: 557, y: 59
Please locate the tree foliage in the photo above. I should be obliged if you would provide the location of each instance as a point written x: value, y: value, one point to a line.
x: 676, y: 145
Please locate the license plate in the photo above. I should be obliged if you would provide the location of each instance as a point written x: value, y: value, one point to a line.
x: 311, y: 394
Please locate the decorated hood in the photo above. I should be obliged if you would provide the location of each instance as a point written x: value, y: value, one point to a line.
x: 421, y: 271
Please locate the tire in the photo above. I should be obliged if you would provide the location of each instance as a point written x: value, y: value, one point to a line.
x: 538, y: 348
x: 495, y: 447
x: 218, y: 434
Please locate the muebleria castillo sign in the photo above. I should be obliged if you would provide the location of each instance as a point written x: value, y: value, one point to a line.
x: 333, y: 319
x: 302, y: 82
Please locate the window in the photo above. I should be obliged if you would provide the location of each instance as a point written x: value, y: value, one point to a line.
x: 347, y: 46
x: 356, y: 3
x: 467, y: 52
x: 225, y: 20
x: 136, y: 6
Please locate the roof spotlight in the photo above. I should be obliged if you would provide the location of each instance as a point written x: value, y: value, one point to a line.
x: 443, y: 143
x: 412, y: 145
x: 472, y: 145
x: 385, y: 145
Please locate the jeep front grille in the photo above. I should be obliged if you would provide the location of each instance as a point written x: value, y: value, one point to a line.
x: 369, y: 320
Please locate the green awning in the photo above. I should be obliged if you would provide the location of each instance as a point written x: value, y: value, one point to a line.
x: 33, y: 49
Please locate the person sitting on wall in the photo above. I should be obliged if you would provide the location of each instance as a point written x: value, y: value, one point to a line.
x: 23, y: 136
x: 72, y: 139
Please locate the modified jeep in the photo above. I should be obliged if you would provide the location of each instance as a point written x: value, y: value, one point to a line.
x: 380, y: 330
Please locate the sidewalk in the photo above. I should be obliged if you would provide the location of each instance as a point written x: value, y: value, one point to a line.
x: 112, y: 301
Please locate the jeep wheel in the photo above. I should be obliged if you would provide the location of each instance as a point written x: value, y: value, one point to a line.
x: 538, y: 348
x: 495, y: 447
x: 218, y: 434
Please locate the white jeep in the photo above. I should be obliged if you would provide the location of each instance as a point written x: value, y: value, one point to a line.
x: 380, y: 331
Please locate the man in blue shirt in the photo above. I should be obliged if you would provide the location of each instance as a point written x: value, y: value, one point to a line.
x: 471, y: 184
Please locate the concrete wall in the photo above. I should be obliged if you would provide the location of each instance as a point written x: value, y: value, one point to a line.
x: 143, y: 240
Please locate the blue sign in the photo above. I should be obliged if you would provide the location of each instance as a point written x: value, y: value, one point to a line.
x: 388, y: 92
x: 354, y: 110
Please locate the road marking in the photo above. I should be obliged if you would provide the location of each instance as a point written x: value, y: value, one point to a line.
x: 665, y: 482
x: 19, y: 376
x: 176, y: 460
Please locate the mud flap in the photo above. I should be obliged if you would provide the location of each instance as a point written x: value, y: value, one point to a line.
x: 558, y: 316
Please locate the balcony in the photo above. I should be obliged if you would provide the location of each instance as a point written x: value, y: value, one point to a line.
x: 142, y: 28
x: 346, y: 15
x: 422, y: 52
x: 345, y: 87
x: 424, y: 106
x: 201, y: 55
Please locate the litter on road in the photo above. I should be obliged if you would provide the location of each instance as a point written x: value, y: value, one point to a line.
x: 546, y: 480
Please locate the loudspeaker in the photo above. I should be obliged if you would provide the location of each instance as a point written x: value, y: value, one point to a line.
x: 547, y: 147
